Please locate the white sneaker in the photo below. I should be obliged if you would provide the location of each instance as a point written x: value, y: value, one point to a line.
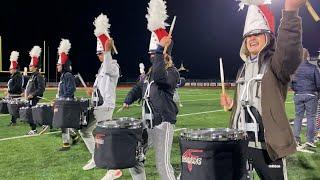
x: 112, y: 174
x: 90, y: 165
x: 179, y: 177
x: 310, y: 144
x: 32, y: 132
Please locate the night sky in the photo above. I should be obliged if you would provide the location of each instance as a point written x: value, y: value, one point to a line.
x: 205, y: 30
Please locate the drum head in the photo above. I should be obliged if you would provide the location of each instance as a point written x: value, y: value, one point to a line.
x: 212, y: 134
x: 124, y: 122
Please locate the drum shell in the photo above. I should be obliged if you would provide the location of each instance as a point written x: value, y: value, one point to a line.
x: 212, y: 160
x: 3, y: 107
x: 66, y: 114
x: 42, y: 115
x: 116, y: 148
x: 13, y: 108
x: 26, y: 114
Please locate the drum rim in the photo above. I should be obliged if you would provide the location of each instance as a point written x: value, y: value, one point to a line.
x: 135, y: 123
x: 239, y: 135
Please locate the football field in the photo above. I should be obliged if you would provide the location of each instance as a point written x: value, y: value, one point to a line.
x: 37, y: 157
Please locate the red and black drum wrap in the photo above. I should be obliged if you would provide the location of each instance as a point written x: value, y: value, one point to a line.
x: 212, y: 154
x: 66, y: 113
x: 14, y: 105
x: 117, y: 143
x: 42, y: 114
x: 4, y: 106
x: 25, y: 114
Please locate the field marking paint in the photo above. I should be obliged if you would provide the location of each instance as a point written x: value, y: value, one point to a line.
x: 200, y: 100
x: 26, y: 136
x: 179, y: 129
x: 2, y: 115
x: 205, y: 112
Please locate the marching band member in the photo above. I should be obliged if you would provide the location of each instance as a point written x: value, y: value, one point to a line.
x: 156, y: 90
x: 104, y: 90
x: 262, y: 83
x: 36, y: 84
x: 66, y: 89
x: 15, y: 82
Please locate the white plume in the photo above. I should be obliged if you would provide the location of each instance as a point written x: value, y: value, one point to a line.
x: 35, y: 51
x: 141, y: 66
x: 14, y: 56
x: 252, y: 2
x: 64, y: 46
x: 157, y: 15
x: 102, y: 25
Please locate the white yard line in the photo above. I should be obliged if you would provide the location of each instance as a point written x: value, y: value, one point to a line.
x: 1, y: 115
x: 205, y: 112
x: 179, y: 129
x: 200, y: 100
x: 26, y: 136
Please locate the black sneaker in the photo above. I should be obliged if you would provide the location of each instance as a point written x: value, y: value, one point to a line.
x: 75, y: 139
x: 65, y: 147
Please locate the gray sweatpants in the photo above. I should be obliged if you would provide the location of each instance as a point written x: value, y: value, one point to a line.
x: 100, y: 114
x: 66, y: 132
x: 160, y: 138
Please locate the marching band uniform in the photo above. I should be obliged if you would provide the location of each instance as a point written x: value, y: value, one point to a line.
x: 104, y: 90
x: 66, y: 89
x: 36, y: 84
x: 156, y: 90
x: 15, y: 82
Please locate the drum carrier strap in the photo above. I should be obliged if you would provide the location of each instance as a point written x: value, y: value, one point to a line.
x: 147, y: 118
x: 245, y: 105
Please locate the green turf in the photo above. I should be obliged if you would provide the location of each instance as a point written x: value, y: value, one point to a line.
x: 38, y: 158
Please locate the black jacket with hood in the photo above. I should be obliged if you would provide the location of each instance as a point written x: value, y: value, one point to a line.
x: 161, y: 92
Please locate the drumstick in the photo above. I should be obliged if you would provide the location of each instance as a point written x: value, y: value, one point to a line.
x: 45, y: 99
x: 312, y: 11
x: 114, y: 48
x: 222, y: 81
x: 83, y: 83
x: 119, y: 110
x: 170, y: 32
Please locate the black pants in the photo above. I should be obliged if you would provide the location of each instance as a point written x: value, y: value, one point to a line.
x: 13, y: 119
x: 259, y: 158
x: 33, y: 102
x: 265, y: 167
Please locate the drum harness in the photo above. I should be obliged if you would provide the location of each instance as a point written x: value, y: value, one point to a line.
x: 245, y: 105
x: 147, y: 118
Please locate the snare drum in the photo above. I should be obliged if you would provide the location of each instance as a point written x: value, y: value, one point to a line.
x: 118, y: 143
x: 4, y: 106
x: 25, y: 114
x: 66, y: 113
x: 14, y: 105
x: 215, y: 154
x: 42, y: 114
